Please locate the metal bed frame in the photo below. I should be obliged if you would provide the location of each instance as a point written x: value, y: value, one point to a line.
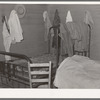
x: 10, y: 75
x: 17, y: 75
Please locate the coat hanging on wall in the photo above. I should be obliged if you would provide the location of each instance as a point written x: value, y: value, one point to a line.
x: 56, y: 24
x: 47, y: 24
x: 56, y: 37
x: 15, y: 27
x: 6, y: 37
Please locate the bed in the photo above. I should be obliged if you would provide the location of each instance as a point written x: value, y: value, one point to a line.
x: 14, y: 73
x: 78, y: 72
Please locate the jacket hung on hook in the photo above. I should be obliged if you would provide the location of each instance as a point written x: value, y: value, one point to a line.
x: 15, y: 27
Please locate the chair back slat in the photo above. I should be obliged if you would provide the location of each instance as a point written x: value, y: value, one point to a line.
x: 40, y: 73
x: 40, y: 80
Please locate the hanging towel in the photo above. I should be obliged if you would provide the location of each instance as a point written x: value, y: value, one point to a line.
x: 6, y: 39
x: 63, y: 43
x: 15, y: 27
x: 82, y: 45
x: 69, y: 35
x: 74, y: 31
x: 44, y: 15
x: 72, y: 27
x: 69, y: 17
x: 66, y: 42
x: 62, y: 30
x: 88, y: 19
x: 47, y: 24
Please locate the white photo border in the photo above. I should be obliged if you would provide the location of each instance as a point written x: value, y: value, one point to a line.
x: 50, y: 93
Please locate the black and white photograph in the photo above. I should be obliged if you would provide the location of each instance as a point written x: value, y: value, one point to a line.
x: 49, y: 46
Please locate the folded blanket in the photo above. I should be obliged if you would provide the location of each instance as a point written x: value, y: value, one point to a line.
x: 78, y: 72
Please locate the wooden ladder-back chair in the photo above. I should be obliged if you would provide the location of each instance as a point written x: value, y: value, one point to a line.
x: 40, y: 73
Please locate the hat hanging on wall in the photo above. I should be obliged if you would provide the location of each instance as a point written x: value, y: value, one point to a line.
x: 20, y: 9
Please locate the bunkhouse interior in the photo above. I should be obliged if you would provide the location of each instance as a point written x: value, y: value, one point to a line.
x: 53, y: 46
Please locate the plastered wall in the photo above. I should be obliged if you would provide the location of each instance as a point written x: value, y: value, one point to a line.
x: 33, y: 30
x: 33, y: 27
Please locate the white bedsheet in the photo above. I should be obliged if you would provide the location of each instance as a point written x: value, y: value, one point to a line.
x: 78, y: 72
